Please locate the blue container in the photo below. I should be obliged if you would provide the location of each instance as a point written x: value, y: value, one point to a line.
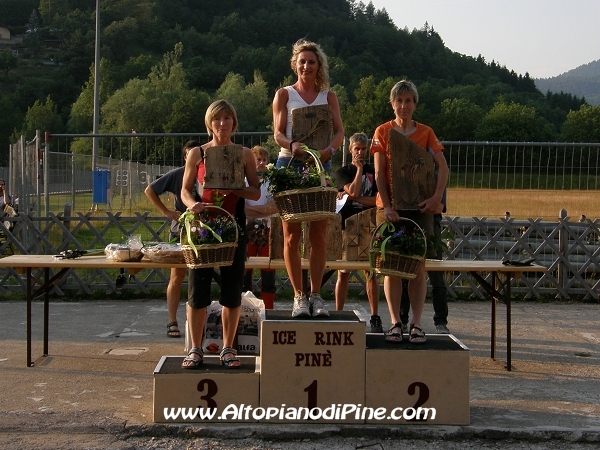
x: 101, y: 185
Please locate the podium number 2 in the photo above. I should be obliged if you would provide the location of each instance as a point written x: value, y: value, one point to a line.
x: 311, y: 389
x: 423, y: 396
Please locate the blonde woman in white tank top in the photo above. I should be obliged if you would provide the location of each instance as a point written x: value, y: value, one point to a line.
x: 309, y: 63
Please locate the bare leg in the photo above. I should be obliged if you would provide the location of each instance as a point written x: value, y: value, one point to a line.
x: 174, y: 292
x: 292, y: 233
x: 317, y: 234
x: 195, y: 319
x: 372, y: 293
x: 230, y: 318
x: 341, y: 290
x: 392, y: 287
x: 417, y: 291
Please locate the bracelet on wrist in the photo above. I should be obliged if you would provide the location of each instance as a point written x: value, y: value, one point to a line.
x: 291, y: 144
x: 331, y: 150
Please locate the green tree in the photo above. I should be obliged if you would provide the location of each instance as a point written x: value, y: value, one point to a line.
x: 251, y: 101
x: 512, y: 122
x: 82, y: 111
x: 160, y: 103
x: 50, y: 9
x: 8, y: 61
x: 40, y: 116
x: 33, y: 38
x: 458, y: 120
x: 371, y: 108
x: 582, y: 125
x: 9, y: 119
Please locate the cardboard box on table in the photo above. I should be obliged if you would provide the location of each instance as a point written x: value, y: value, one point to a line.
x: 312, y: 362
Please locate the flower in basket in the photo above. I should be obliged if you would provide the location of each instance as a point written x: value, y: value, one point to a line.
x: 207, y: 228
x: 401, y: 238
x: 290, y: 177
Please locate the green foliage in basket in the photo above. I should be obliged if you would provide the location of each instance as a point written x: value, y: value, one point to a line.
x: 289, y: 177
x: 206, y: 228
x: 405, y: 239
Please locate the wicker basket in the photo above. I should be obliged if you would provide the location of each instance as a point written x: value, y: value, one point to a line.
x: 164, y: 253
x: 394, y: 263
x: 209, y: 255
x: 309, y: 204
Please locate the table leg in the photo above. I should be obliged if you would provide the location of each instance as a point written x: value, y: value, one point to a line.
x: 46, y: 310
x: 507, y: 297
x: 29, y: 295
x: 493, y: 325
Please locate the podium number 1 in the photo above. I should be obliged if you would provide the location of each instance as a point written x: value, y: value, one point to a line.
x: 311, y: 389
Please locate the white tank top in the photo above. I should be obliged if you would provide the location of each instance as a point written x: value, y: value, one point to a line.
x: 295, y: 101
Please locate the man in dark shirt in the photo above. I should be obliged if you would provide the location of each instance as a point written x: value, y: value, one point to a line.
x: 357, y: 181
x: 172, y: 182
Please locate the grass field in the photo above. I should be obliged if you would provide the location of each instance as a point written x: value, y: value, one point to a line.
x: 492, y: 203
x: 523, y: 204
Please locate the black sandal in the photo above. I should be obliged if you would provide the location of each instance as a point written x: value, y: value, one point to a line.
x: 418, y: 337
x: 173, y: 333
x: 195, y: 363
x: 394, y: 338
x: 229, y: 362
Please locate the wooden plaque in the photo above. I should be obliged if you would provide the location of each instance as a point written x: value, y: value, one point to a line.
x: 334, y: 238
x: 313, y: 126
x: 276, y: 238
x: 224, y: 167
x: 413, y: 172
x: 357, y: 235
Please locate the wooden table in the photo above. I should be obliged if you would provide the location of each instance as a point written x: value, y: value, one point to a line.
x: 497, y: 288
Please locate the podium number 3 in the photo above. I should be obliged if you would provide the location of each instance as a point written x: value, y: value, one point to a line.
x: 211, y: 391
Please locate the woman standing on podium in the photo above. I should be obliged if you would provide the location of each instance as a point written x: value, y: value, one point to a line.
x: 221, y: 122
x: 309, y: 63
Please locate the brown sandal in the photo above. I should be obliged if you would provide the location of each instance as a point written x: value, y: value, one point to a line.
x: 417, y: 337
x: 394, y: 338
x: 173, y: 333
x: 230, y: 362
x: 193, y: 363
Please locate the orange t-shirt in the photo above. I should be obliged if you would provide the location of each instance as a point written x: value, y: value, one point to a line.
x: 422, y: 136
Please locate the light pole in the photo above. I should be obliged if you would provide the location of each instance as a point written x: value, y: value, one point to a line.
x: 96, y: 124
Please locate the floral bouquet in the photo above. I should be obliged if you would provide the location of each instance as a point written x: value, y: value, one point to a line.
x: 301, y: 195
x: 208, y: 239
x: 398, y: 249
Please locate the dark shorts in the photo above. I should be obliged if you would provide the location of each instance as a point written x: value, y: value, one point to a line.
x: 232, y: 281
x: 425, y: 221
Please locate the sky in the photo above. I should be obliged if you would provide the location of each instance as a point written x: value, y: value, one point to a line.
x: 545, y: 38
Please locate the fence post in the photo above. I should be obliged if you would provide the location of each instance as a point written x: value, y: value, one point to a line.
x: 563, y: 237
x: 68, y: 212
x: 73, y: 186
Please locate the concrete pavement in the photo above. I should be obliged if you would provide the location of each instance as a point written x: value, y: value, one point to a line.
x: 97, y: 381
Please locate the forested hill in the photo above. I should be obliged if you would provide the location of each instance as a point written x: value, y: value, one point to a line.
x: 583, y: 81
x: 163, y: 61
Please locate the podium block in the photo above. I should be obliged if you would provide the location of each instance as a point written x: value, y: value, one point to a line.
x: 316, y: 364
x: 409, y: 376
x: 212, y: 389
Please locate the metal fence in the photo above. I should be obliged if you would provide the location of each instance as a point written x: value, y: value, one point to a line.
x: 570, y: 251
x: 45, y: 176
x: 47, y: 173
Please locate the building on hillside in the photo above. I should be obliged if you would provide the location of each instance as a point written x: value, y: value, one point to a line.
x: 8, y: 40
